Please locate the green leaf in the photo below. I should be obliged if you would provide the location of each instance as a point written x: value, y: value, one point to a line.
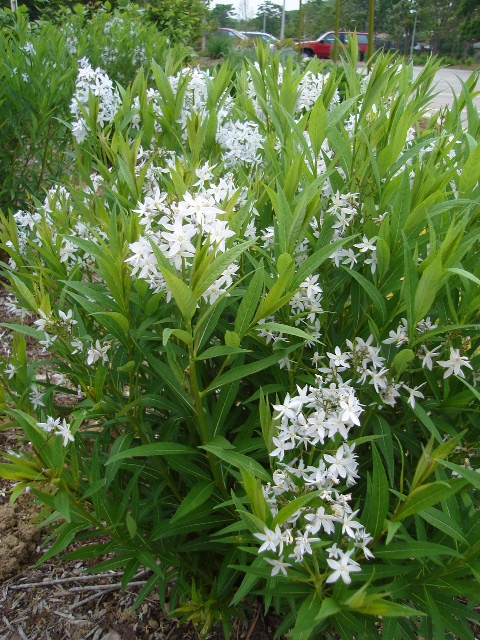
x: 65, y: 536
x: 444, y: 523
x: 128, y: 366
x: 24, y: 292
x: 131, y: 526
x: 287, y: 329
x: 200, y: 493
x: 377, y: 501
x: 182, y: 294
x: 381, y: 607
x: 470, y: 173
x: 275, y: 299
x: 116, y: 317
x: 266, y: 422
x: 426, y: 420
x: 226, y: 399
x: 468, y: 474
x: 165, y: 374
x: 292, y: 507
x: 464, y: 274
x: 153, y: 449
x: 62, y: 505
x: 317, y: 123
x: 249, y: 303
x: 414, y: 549
x: 248, y: 582
x: 182, y: 335
x: 218, y: 266
x: 238, y: 460
x: 309, y: 617
x: 401, y: 360
x: 313, y: 262
x: 253, y: 489
x: 126, y: 175
x: 427, y: 289
x: 283, y: 213
x: 372, y: 292
x: 426, y: 496
x: 25, y: 330
x: 232, y: 339
x: 219, y: 351
x: 249, y: 369
x: 410, y: 284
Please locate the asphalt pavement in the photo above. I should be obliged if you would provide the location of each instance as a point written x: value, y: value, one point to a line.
x: 448, y: 82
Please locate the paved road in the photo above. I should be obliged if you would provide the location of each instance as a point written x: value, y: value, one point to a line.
x: 448, y: 82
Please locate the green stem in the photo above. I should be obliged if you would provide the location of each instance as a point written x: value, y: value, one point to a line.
x: 203, y: 426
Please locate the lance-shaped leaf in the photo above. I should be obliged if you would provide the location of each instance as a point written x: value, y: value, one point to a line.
x: 197, y: 496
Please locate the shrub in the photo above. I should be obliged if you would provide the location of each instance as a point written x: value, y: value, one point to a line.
x: 218, y: 47
x: 37, y: 76
x: 263, y: 306
x: 181, y: 21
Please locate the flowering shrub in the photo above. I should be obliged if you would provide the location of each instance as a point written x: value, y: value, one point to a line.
x: 261, y: 298
x: 38, y: 67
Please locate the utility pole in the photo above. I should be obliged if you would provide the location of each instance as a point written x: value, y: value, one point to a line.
x: 300, y: 35
x: 337, y: 29
x: 371, y: 31
x: 282, y: 27
x: 415, y: 11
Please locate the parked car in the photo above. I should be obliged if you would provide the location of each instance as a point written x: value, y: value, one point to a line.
x: 322, y: 46
x: 232, y: 34
x: 267, y: 38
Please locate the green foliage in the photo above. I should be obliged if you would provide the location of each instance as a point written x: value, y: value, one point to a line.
x: 36, y: 84
x: 37, y: 73
x: 469, y: 11
x: 218, y: 47
x: 229, y: 244
x: 181, y: 21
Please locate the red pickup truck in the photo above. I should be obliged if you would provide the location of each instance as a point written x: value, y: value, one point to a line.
x: 322, y: 46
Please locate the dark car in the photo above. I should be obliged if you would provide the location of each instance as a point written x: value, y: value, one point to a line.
x: 322, y: 46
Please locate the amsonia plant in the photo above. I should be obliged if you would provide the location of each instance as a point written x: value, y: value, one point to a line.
x: 260, y: 293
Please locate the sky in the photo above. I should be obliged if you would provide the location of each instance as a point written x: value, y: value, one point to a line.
x: 254, y: 4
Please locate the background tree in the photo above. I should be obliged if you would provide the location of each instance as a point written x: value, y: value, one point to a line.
x: 440, y: 19
x: 222, y: 15
x: 400, y: 19
x: 354, y: 15
x: 268, y: 18
x: 318, y: 16
x: 469, y: 28
x: 179, y: 20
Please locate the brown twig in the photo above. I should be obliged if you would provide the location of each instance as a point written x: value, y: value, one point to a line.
x: 103, y: 587
x: 55, y: 581
x: 75, y: 605
x: 250, y: 631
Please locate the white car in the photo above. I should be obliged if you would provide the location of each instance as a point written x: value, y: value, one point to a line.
x: 267, y: 38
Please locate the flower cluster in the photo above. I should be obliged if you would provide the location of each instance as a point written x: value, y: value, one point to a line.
x: 92, y: 82
x: 311, y: 88
x: 57, y: 427
x: 175, y: 228
x: 312, y: 432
